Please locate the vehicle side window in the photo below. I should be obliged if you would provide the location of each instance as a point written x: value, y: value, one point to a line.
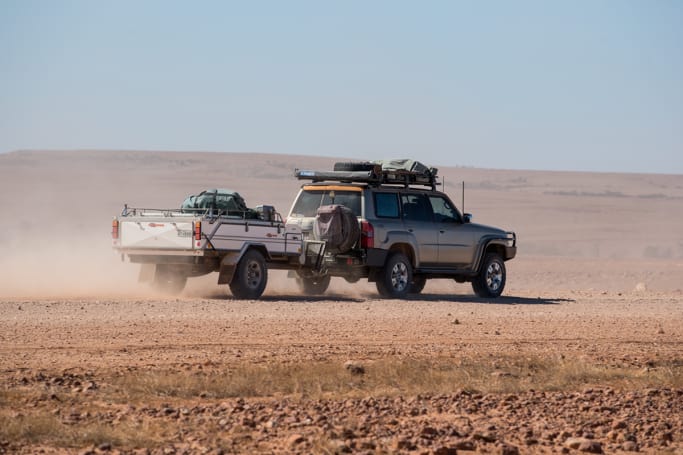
x: 444, y: 212
x: 386, y: 205
x: 416, y: 207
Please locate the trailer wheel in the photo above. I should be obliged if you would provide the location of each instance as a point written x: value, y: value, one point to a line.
x: 251, y: 276
x: 168, y: 280
x: 313, y: 285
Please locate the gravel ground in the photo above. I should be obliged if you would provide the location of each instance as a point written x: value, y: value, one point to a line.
x: 59, y: 356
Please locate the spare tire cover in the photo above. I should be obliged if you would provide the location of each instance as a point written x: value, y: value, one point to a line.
x: 337, y: 226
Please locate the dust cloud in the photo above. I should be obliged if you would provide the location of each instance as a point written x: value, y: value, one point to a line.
x: 53, y: 267
x: 607, y: 232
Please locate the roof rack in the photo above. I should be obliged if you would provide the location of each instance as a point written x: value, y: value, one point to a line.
x: 375, y: 174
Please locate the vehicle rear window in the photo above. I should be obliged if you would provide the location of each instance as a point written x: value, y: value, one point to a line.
x: 309, y: 201
x: 386, y: 205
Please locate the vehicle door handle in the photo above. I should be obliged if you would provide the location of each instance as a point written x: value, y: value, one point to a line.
x: 442, y: 231
x: 410, y: 230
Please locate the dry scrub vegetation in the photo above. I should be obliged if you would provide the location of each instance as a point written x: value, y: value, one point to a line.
x: 145, y: 406
x: 390, y: 378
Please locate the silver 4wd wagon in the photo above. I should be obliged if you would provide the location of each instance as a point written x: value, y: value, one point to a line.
x: 395, y: 229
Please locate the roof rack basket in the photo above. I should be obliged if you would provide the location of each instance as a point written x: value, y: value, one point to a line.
x: 376, y: 174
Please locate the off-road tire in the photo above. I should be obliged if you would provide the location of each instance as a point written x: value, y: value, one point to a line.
x: 418, y: 284
x: 395, y: 279
x: 490, y: 281
x: 313, y: 285
x: 251, y: 276
x: 354, y: 166
x: 168, y: 280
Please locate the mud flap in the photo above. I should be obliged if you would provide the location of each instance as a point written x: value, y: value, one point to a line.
x: 227, y: 267
x: 147, y: 272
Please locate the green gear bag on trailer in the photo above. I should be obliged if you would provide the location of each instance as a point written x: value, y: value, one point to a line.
x: 221, y: 200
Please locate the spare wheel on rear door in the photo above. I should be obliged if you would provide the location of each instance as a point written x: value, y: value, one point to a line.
x: 337, y: 226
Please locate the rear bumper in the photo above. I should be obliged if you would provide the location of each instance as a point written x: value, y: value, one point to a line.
x: 346, y: 265
x: 152, y: 252
x: 161, y: 256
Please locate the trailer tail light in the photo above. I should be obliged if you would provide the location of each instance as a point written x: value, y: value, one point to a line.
x: 367, y: 235
x: 197, y: 230
x: 115, y: 229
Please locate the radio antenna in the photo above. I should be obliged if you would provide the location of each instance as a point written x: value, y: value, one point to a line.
x: 463, y: 196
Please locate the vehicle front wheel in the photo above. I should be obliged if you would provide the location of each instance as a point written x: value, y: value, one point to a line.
x: 251, y: 276
x: 490, y: 281
x: 313, y: 285
x: 395, y: 279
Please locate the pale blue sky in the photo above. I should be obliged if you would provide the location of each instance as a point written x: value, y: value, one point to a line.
x: 578, y: 85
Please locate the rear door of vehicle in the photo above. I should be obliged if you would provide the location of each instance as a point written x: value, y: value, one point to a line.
x: 418, y: 220
x: 456, y: 239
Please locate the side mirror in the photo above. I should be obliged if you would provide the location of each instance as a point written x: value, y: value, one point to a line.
x: 466, y: 217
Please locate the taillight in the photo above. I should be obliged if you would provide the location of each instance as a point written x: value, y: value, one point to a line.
x: 115, y: 229
x: 197, y: 230
x: 367, y: 235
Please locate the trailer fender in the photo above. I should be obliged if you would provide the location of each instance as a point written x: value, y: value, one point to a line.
x: 147, y: 273
x: 227, y: 267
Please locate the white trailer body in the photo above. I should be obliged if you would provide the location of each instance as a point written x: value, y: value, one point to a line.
x: 170, y: 232
x: 173, y: 245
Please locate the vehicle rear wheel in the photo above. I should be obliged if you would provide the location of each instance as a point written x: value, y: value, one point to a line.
x: 418, y: 284
x: 395, y: 279
x: 490, y: 281
x: 313, y: 285
x: 168, y: 280
x: 251, y: 276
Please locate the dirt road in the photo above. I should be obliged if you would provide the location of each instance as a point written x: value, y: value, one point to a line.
x: 532, y: 372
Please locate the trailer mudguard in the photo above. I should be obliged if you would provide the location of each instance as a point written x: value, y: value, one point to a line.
x: 147, y: 273
x: 227, y: 268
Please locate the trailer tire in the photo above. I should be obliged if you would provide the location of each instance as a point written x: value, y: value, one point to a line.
x: 251, y: 276
x: 168, y: 280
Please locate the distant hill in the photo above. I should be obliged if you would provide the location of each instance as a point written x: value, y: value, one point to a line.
x: 574, y: 214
